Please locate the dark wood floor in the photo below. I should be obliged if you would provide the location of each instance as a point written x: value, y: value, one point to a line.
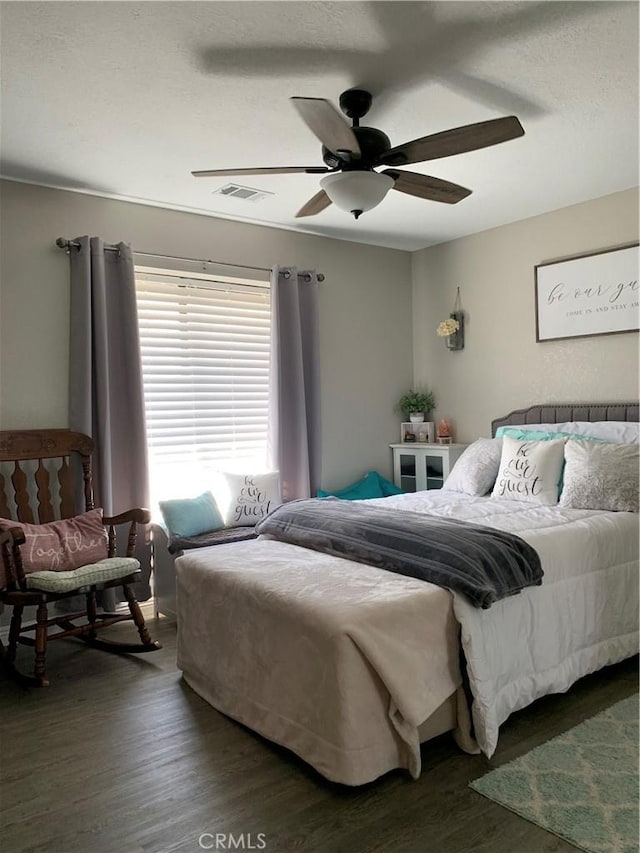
x: 119, y: 756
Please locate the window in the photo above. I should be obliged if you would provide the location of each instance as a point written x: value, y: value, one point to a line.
x: 205, y: 361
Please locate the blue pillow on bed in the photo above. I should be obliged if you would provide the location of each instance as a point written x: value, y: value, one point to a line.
x: 191, y: 516
x: 372, y: 485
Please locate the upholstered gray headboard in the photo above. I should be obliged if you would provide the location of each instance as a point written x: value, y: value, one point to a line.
x: 558, y: 413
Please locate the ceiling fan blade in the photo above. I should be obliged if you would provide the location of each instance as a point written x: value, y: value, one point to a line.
x: 275, y: 170
x: 323, y: 119
x: 424, y: 186
x: 471, y: 137
x: 314, y: 205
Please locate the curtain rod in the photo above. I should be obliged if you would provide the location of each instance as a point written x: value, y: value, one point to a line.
x: 63, y: 243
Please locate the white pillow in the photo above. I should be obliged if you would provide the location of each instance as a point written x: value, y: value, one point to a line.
x: 622, y: 432
x: 476, y: 470
x: 530, y: 471
x: 251, y: 497
x: 601, y: 476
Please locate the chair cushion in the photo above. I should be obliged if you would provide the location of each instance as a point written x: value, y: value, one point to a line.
x: 106, y: 570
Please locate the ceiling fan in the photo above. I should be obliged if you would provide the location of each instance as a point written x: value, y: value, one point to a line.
x: 352, y: 153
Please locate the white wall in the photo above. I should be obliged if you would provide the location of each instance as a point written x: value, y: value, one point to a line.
x: 502, y: 367
x: 365, y: 305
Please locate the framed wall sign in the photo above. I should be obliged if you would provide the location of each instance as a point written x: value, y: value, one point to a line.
x: 588, y: 295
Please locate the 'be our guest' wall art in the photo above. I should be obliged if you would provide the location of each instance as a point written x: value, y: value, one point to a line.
x: 589, y: 295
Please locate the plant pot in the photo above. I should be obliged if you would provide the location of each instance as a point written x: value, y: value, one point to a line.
x: 416, y: 417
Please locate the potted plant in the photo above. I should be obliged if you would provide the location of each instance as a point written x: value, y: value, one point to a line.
x: 416, y: 404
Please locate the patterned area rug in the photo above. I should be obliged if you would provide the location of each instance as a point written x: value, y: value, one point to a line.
x: 582, y: 785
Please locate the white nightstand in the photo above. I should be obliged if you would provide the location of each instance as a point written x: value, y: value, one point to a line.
x: 417, y: 467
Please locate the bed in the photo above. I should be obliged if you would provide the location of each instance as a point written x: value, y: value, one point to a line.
x: 352, y: 667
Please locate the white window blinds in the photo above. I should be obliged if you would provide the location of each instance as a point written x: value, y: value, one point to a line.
x: 205, y: 362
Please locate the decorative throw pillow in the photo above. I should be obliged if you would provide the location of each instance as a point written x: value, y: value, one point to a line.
x: 476, y: 470
x: 252, y: 497
x: 619, y: 432
x: 191, y: 516
x: 61, y: 545
x: 529, y: 471
x: 601, y: 476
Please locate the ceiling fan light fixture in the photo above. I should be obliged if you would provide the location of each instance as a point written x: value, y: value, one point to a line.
x: 356, y: 191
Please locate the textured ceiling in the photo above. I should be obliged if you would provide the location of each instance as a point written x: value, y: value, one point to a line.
x: 125, y: 99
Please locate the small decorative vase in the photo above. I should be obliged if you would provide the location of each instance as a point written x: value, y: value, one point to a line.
x: 416, y: 417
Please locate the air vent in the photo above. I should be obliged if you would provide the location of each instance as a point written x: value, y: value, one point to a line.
x: 245, y: 193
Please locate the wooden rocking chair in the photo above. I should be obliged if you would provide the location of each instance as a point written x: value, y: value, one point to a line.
x: 42, y: 493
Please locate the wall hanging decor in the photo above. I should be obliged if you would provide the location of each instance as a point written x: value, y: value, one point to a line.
x: 586, y: 295
x: 452, y: 329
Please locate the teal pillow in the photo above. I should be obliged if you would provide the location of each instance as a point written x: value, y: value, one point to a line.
x: 191, y: 516
x: 368, y: 487
x: 524, y: 434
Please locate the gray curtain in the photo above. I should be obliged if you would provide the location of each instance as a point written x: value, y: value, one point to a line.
x: 294, y: 394
x: 105, y: 381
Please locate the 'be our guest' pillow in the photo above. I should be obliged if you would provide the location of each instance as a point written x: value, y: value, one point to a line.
x: 251, y: 497
x: 530, y: 471
x: 60, y: 545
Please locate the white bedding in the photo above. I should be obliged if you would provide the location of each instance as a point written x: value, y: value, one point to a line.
x: 583, y: 617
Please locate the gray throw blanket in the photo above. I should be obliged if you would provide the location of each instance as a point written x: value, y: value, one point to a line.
x: 484, y: 564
